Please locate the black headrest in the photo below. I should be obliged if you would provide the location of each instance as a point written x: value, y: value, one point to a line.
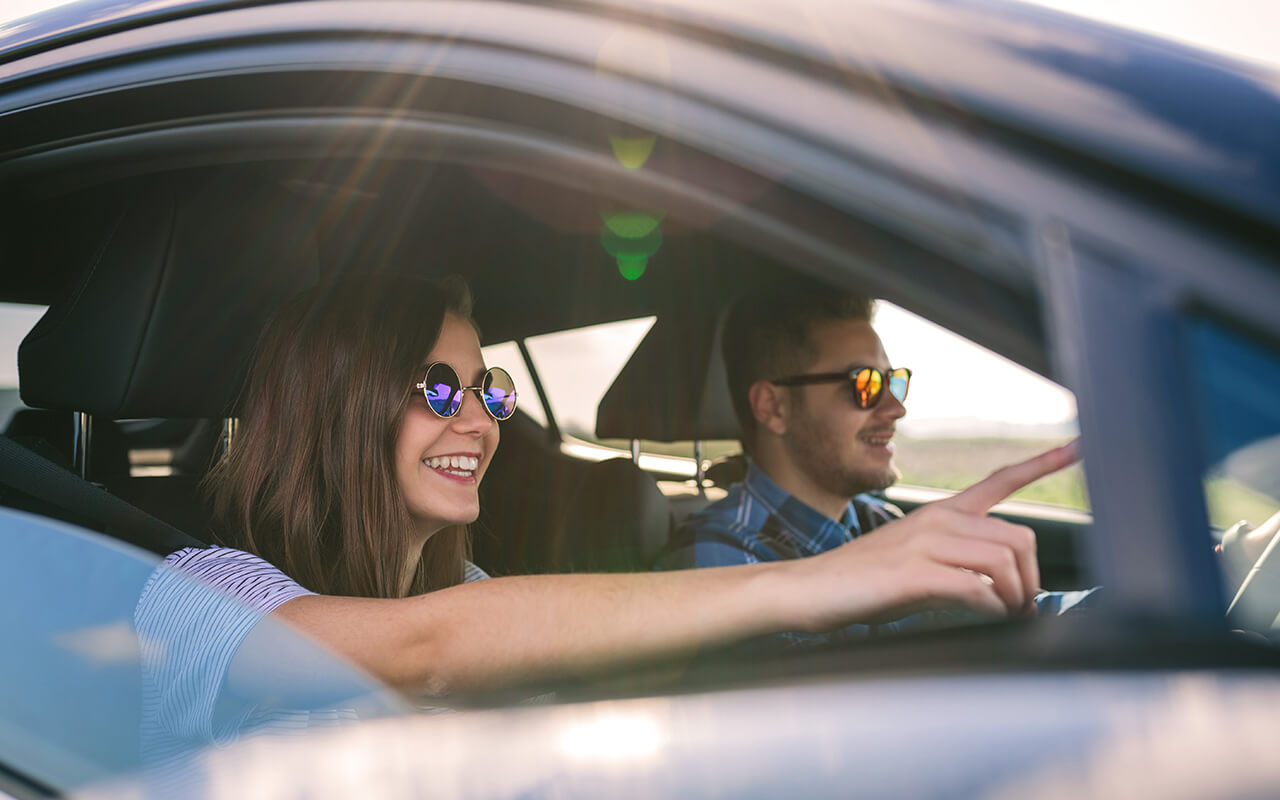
x: 673, y: 388
x: 163, y: 321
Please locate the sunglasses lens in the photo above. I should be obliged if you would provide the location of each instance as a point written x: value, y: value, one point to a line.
x: 867, y: 385
x: 443, y: 391
x: 499, y: 393
x: 899, y: 383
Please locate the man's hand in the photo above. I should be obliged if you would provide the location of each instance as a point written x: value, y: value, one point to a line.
x: 945, y: 554
x: 1242, y: 546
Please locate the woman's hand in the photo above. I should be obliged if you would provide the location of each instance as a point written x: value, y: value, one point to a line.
x: 943, y: 555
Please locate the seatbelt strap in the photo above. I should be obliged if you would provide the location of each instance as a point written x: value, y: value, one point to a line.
x: 38, y: 477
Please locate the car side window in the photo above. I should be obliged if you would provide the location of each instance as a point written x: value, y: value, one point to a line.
x: 89, y: 691
x: 1236, y: 387
x: 1238, y: 394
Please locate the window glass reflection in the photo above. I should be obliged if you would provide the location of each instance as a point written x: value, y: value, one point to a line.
x: 110, y: 666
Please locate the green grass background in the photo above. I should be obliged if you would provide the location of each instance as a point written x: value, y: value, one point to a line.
x: 956, y: 463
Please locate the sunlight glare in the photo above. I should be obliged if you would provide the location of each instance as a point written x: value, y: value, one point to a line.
x: 612, y: 737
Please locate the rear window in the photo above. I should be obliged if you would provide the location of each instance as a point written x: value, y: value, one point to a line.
x: 16, y: 320
x: 578, y: 366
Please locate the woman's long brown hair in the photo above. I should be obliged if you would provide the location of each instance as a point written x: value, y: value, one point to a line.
x: 309, y: 483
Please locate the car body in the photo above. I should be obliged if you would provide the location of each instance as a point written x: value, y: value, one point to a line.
x: 1098, y: 206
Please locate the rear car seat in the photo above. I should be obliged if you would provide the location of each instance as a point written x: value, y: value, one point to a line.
x: 544, y: 511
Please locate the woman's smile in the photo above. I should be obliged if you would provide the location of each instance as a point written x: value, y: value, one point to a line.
x: 460, y: 467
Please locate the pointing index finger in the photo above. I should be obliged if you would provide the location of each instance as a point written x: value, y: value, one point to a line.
x: 981, y: 496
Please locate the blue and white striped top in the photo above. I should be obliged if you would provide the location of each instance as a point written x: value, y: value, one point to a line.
x: 193, y: 615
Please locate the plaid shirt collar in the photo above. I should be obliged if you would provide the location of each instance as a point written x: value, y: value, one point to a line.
x: 809, y: 529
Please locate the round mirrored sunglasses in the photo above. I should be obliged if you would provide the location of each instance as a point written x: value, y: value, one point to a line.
x: 444, y: 391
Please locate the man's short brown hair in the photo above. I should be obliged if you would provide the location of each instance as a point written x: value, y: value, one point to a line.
x: 766, y: 335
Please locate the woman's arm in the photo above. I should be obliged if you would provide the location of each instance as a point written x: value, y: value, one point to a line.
x: 503, y: 630
x: 506, y: 630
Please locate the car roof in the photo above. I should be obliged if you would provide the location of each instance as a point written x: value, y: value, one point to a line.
x: 84, y: 19
x: 1199, y: 123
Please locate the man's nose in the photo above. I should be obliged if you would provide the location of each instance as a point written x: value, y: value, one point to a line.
x: 891, y: 407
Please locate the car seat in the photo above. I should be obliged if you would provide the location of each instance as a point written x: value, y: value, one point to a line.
x: 673, y: 389
x: 162, y: 321
x: 545, y: 511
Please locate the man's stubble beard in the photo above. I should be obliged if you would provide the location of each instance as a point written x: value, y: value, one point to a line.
x: 819, y: 456
x: 858, y: 481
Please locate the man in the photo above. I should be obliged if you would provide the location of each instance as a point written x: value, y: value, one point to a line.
x: 818, y: 401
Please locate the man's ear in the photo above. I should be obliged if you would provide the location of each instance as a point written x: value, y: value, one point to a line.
x: 769, y: 406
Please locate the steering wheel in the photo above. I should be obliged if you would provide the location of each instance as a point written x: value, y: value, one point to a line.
x: 1256, y: 605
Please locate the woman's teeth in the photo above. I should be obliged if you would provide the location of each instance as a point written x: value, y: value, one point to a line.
x: 463, y: 466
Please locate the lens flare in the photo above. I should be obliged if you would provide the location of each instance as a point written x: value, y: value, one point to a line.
x: 633, y: 224
x: 632, y: 252
x: 632, y: 151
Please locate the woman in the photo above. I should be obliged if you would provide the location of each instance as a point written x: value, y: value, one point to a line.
x: 346, y: 515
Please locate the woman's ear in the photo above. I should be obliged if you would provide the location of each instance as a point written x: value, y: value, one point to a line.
x: 769, y: 406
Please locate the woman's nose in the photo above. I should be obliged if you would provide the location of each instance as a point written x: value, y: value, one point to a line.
x: 472, y: 416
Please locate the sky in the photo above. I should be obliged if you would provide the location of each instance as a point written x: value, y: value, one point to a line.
x: 1243, y: 29
x: 1240, y: 28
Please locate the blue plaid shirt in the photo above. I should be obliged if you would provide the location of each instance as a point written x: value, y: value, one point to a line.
x: 760, y: 521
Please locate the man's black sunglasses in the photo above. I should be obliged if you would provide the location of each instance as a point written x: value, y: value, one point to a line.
x: 867, y: 383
